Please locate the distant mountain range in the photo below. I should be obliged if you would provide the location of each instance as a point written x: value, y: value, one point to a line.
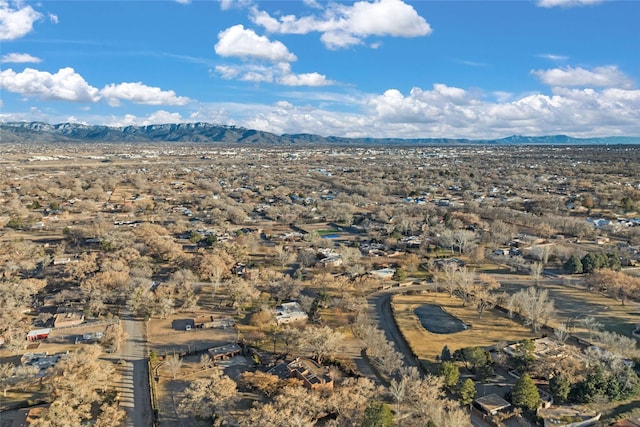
x: 38, y: 132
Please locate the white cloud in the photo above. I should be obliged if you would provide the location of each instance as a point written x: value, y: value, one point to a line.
x: 227, y: 72
x: 141, y: 94
x: 126, y: 120
x: 553, y: 57
x: 183, y: 1
x: 567, y: 3
x: 245, y: 43
x: 347, y: 25
x: 19, y: 58
x: 312, y: 3
x: 159, y: 117
x: 237, y: 4
x: 339, y: 40
x: 608, y: 76
x: 305, y: 79
x: 471, y: 63
x: 16, y: 22
x: 279, y: 73
x: 74, y: 119
x: 65, y: 85
x: 53, y: 18
x: 248, y: 72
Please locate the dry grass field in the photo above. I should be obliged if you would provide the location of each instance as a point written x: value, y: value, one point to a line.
x: 575, y: 303
x: 166, y: 336
x: 486, y: 331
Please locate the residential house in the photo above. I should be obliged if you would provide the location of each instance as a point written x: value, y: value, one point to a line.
x: 383, y: 273
x: 289, y: 312
x: 70, y: 318
x: 312, y: 375
x: 330, y: 261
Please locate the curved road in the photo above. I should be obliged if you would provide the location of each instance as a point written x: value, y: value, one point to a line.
x: 380, y: 311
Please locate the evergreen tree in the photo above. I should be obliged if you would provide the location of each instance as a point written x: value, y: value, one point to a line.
x: 450, y: 373
x: 523, y: 357
x: 525, y: 393
x: 573, y: 265
x: 400, y: 275
x: 613, y: 262
x: 560, y: 387
x: 445, y: 355
x: 589, y: 263
x: 378, y: 414
x: 467, y: 392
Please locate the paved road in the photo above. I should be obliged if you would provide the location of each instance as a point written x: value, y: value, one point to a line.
x: 381, y: 305
x: 134, y: 385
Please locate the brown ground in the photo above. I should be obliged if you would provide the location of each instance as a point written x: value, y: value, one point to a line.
x: 164, y: 339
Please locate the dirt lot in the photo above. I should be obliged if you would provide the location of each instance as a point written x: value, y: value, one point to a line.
x: 165, y: 336
x: 486, y: 331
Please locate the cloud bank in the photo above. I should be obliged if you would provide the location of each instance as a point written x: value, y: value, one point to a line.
x: 67, y: 85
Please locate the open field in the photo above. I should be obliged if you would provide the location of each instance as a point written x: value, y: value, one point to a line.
x: 575, y: 303
x: 163, y: 337
x: 486, y: 331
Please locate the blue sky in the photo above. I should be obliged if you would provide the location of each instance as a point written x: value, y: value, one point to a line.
x: 376, y: 68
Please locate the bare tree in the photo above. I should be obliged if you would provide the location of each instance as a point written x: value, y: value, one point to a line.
x: 283, y: 255
x: 7, y: 371
x: 561, y: 332
x: 111, y: 415
x: 463, y: 239
x: 483, y: 293
x: 534, y: 305
x: 114, y: 334
x: 536, y: 269
x: 173, y: 364
x: 205, y: 361
x: 209, y: 397
x: 293, y: 407
x: 321, y: 342
x: 448, y: 277
x: 78, y: 381
x: 618, y: 344
x: 591, y: 325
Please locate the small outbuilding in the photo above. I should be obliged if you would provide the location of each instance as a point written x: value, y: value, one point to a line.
x: 491, y: 404
x: 223, y: 352
x: 38, y: 334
